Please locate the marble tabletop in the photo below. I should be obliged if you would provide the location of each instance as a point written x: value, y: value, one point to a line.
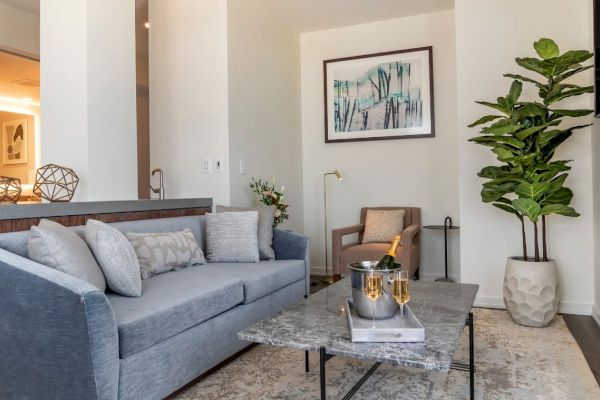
x: 441, y: 307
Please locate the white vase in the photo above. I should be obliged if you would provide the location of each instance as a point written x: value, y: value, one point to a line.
x: 531, y: 292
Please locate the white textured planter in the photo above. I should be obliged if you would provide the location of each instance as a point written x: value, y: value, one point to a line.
x: 531, y: 291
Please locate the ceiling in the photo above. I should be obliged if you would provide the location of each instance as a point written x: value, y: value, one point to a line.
x: 313, y: 15
x: 17, y: 72
x: 32, y: 6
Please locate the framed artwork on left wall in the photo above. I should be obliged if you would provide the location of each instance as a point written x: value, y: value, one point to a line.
x: 14, y: 141
x: 379, y: 96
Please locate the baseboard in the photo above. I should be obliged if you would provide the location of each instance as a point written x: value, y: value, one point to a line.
x: 317, y: 270
x: 565, y: 307
x: 596, y: 314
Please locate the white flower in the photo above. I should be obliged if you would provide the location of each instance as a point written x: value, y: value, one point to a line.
x: 277, y: 213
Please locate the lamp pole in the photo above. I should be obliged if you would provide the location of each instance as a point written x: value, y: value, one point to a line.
x: 338, y: 175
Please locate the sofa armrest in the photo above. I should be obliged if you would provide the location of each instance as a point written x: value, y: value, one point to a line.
x: 293, y: 246
x: 410, y: 248
x: 337, y: 244
x: 58, y: 335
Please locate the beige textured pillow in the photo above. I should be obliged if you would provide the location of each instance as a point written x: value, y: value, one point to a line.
x: 382, y: 225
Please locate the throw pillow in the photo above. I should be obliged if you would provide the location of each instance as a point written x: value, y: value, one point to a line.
x: 382, y: 225
x: 58, y: 247
x: 232, y: 237
x: 116, y: 257
x: 164, y: 252
x: 266, y: 216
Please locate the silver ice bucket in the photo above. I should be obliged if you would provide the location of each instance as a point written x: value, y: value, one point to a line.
x: 385, y: 306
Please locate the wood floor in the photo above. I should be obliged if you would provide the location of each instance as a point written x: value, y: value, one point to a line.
x: 583, y: 328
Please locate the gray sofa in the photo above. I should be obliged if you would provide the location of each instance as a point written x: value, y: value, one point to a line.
x: 63, y: 338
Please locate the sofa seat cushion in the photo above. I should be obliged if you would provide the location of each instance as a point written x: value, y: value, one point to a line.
x: 171, y: 303
x: 366, y: 252
x: 260, y: 279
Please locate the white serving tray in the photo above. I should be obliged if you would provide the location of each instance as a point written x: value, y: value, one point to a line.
x: 393, y: 329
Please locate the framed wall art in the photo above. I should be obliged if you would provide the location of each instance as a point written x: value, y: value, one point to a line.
x: 14, y: 141
x: 379, y: 96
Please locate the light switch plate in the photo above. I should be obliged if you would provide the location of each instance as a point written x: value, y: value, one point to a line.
x: 218, y: 165
x: 206, y: 165
x: 242, y: 166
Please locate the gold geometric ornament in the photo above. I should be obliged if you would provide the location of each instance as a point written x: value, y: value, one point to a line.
x: 10, y: 189
x: 55, y: 183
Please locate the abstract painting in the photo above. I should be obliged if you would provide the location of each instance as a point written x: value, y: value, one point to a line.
x: 379, y: 96
x: 14, y: 136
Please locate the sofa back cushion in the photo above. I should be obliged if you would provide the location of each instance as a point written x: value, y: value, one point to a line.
x: 16, y: 242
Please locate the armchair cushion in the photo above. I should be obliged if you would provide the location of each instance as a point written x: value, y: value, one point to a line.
x: 382, y: 225
x: 365, y: 252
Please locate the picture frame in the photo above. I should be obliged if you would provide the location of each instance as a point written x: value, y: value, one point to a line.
x: 379, y: 96
x: 14, y: 141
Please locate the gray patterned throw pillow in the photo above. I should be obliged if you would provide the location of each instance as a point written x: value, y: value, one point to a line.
x: 232, y: 237
x: 266, y: 216
x: 164, y: 252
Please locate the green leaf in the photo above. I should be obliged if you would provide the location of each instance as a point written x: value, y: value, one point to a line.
x: 502, y: 127
x: 528, y: 207
x: 559, y: 209
x: 493, y: 172
x: 546, y: 137
x: 529, y: 110
x: 507, y: 208
x: 503, y: 152
x: 515, y: 91
x: 570, y: 73
x: 563, y: 94
x: 572, y: 58
x: 535, y: 65
x: 495, y: 106
x: 489, y: 194
x: 484, y: 120
x: 572, y: 113
x: 524, y: 79
x: 561, y: 196
x: 546, y: 48
x: 532, y: 190
x: 557, y: 183
x: 525, y: 133
x: 494, y: 140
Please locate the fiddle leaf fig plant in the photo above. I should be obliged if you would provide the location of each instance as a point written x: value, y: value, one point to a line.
x: 524, y: 136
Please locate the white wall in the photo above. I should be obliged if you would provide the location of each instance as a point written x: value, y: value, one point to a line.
x: 88, y: 94
x: 489, y: 35
x: 19, y: 31
x: 188, y: 101
x: 408, y: 172
x: 264, y: 105
x: 596, y: 178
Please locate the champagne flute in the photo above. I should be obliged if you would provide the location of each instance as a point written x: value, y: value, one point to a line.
x: 373, y: 289
x: 401, y: 291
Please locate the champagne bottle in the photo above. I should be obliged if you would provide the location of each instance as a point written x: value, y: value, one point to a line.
x: 388, y: 261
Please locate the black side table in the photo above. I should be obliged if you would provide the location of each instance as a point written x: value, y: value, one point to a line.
x: 446, y: 227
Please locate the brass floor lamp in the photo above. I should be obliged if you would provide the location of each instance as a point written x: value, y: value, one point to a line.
x: 338, y: 175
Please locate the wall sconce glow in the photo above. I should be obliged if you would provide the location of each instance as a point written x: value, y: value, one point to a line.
x: 147, y: 25
x: 24, y: 100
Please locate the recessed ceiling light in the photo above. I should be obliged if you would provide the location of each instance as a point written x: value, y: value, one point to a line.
x: 147, y: 25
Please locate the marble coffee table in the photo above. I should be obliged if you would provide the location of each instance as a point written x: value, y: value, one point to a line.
x: 318, y: 324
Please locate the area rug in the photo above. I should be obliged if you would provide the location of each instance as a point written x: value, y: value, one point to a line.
x: 513, y: 362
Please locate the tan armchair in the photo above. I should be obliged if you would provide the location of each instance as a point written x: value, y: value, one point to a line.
x: 407, y: 254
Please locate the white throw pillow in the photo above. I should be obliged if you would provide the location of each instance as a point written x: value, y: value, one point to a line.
x: 167, y: 251
x: 382, y: 225
x: 116, y: 257
x: 58, y: 247
x: 232, y: 237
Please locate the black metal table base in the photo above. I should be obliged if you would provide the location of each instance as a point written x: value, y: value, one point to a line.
x: 459, y: 366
